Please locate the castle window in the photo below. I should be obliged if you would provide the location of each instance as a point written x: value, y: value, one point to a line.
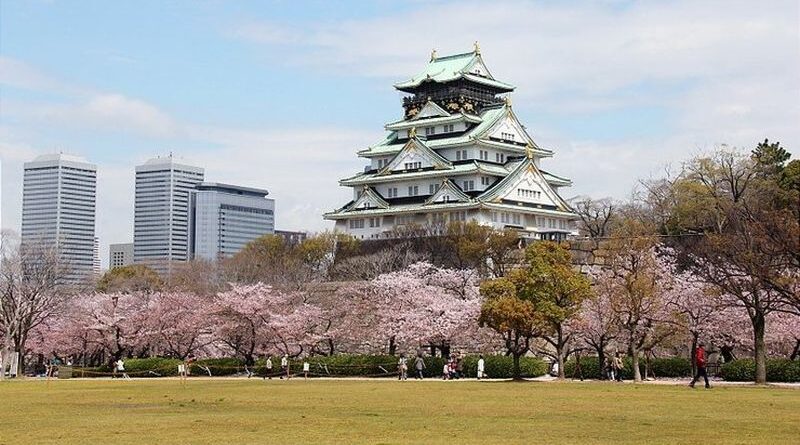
x: 413, y: 190
x: 391, y: 192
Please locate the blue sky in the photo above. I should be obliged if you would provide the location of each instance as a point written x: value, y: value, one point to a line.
x: 281, y: 94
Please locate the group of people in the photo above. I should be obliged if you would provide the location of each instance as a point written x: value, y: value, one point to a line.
x: 613, y: 367
x: 452, y: 369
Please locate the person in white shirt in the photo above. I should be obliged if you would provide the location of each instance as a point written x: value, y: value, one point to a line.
x: 306, y: 368
x: 285, y: 366
x: 268, y: 371
x: 481, y: 367
x: 120, y: 365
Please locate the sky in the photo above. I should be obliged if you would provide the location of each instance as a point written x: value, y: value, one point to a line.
x: 281, y: 94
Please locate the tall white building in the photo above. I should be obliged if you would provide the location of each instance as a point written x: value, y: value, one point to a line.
x: 161, y: 212
x: 58, y: 208
x: 459, y: 153
x: 120, y: 255
x: 226, y: 217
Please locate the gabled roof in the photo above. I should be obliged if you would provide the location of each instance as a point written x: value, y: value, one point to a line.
x: 456, y: 170
x: 490, y: 117
x: 369, y: 199
x: 468, y: 66
x: 415, y: 145
x: 430, y: 109
x: 555, y: 180
x: 449, y: 190
x: 410, y: 123
x: 525, y: 167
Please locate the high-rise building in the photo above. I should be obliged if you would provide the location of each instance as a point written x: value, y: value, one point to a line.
x: 225, y: 217
x: 459, y: 153
x: 96, y: 265
x: 120, y: 255
x: 58, y: 209
x: 161, y: 212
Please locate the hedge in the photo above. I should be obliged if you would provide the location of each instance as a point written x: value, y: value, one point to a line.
x: 669, y: 367
x: 778, y: 370
x: 341, y: 365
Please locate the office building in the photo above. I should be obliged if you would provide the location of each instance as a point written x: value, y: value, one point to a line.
x: 225, y: 217
x: 120, y: 255
x: 161, y: 212
x: 58, y: 209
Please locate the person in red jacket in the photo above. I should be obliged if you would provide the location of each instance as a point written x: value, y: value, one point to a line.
x: 700, y: 362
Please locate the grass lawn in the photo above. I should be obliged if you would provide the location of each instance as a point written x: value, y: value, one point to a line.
x: 241, y: 411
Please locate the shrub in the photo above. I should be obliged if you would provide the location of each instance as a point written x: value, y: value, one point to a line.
x: 666, y: 367
x: 778, y: 370
x: 218, y: 366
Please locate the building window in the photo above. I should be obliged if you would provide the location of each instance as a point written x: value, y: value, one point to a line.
x: 433, y: 188
x: 356, y: 223
x: 464, y: 154
x: 375, y: 222
x: 515, y: 218
x: 507, y: 136
x: 484, y: 155
x: 413, y: 190
x: 430, y: 131
x: 383, y: 163
x: 412, y: 165
x: 391, y: 192
x: 447, y: 128
x: 485, y: 181
x: 469, y: 185
x: 461, y: 155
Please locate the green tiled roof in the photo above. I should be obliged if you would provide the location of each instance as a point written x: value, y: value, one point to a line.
x: 489, y: 117
x: 404, y: 124
x: 554, y: 179
x: 401, y: 208
x: 449, y: 68
x: 459, y: 169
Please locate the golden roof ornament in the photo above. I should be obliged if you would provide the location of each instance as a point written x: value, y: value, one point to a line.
x: 529, y: 150
x: 477, y: 48
x: 412, y: 133
x: 433, y: 55
x: 508, y: 100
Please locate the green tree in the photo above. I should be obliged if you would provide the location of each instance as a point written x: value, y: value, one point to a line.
x: 511, y: 316
x: 537, y: 300
x: 128, y: 279
x: 556, y: 290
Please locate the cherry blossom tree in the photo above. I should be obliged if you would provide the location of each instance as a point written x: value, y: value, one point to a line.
x: 783, y: 335
x: 255, y: 318
x: 597, y: 324
x: 177, y: 324
x: 427, y: 305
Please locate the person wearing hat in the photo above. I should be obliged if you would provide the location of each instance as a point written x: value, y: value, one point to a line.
x: 700, y: 362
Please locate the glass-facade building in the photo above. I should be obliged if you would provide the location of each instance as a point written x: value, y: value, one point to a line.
x: 161, y: 212
x: 58, y: 209
x: 226, y: 217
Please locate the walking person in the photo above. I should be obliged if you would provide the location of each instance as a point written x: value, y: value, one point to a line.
x: 608, y: 365
x: 306, y: 368
x: 268, y: 366
x: 120, y: 367
x: 481, y: 367
x: 618, y: 365
x: 419, y: 365
x: 249, y: 364
x: 402, y: 368
x: 285, y: 366
x: 700, y: 362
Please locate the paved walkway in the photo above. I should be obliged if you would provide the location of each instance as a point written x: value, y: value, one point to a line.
x: 542, y: 379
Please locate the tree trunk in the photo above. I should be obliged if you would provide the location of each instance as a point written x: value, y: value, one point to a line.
x: 516, y: 374
x: 691, y: 354
x: 637, y: 374
x: 759, y: 326
x: 560, y: 360
x: 392, y: 346
x: 796, y: 350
